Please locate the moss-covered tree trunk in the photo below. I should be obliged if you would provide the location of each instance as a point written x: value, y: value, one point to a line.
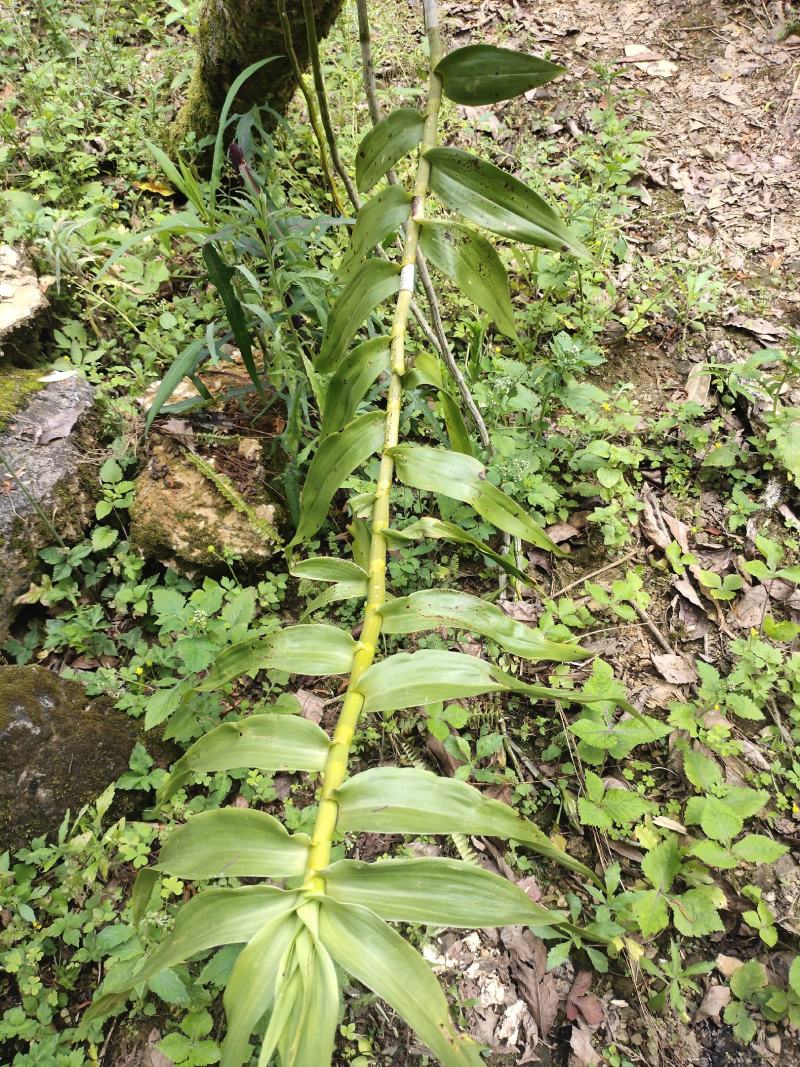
x: 231, y: 35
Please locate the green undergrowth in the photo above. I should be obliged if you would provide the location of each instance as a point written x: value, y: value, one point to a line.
x: 574, y: 440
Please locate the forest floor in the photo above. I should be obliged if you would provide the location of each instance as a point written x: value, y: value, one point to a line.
x: 668, y: 472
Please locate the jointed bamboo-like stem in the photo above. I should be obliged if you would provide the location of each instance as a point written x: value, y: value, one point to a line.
x: 309, y: 99
x: 434, y: 331
x: 336, y: 767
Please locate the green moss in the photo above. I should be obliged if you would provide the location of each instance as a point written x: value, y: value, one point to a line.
x: 15, y: 385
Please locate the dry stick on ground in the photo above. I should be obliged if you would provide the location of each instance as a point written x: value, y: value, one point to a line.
x: 312, y: 111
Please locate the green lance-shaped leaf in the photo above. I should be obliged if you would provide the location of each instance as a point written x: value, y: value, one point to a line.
x: 490, y: 197
x: 437, y: 470
x: 409, y: 679
x: 233, y: 842
x: 440, y: 530
x: 261, y: 742
x: 336, y: 459
x: 457, y: 432
x: 195, y: 353
x: 251, y: 987
x: 308, y: 649
x: 468, y: 259
x: 373, y: 282
x: 379, y: 958
x: 385, y: 143
x: 213, y: 918
x: 349, y: 581
x: 440, y: 892
x: 403, y: 800
x: 327, y: 569
x: 379, y: 218
x: 431, y: 608
x: 221, y: 274
x: 353, y: 377
x: 483, y: 74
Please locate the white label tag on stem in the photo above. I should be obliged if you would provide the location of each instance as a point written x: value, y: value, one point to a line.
x: 407, y: 277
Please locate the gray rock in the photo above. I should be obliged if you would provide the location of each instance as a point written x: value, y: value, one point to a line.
x: 23, y: 307
x: 48, y: 480
x: 60, y: 751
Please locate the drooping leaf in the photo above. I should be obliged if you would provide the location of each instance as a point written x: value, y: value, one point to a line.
x: 457, y: 432
x: 378, y: 219
x: 385, y: 143
x: 380, y: 959
x: 308, y: 649
x: 401, y: 800
x: 427, y: 370
x: 483, y: 74
x: 431, y: 608
x: 469, y: 261
x: 337, y: 591
x: 233, y: 842
x: 261, y: 742
x: 353, y: 377
x: 215, y: 917
x: 251, y: 987
x: 440, y: 530
x: 440, y: 892
x: 371, y: 283
x: 437, y: 470
x: 336, y: 458
x: 408, y: 679
x: 494, y: 199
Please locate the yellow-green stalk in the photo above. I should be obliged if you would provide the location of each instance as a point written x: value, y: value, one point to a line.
x: 336, y: 767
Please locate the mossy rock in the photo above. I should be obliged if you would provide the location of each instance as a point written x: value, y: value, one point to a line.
x: 16, y: 385
x: 182, y: 518
x: 60, y: 751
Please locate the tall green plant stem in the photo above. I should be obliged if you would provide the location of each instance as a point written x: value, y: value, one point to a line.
x: 312, y: 110
x: 336, y: 767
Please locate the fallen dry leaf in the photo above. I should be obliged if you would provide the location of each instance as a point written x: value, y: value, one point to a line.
x: 60, y: 424
x: 687, y: 590
x: 726, y: 965
x: 712, y: 1004
x: 749, y: 611
x: 311, y: 706
x: 675, y: 669
x: 760, y: 328
x: 698, y: 385
x: 581, y: 1001
x: 561, y: 531
x: 650, y: 62
x: 152, y: 1056
x: 581, y: 1044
